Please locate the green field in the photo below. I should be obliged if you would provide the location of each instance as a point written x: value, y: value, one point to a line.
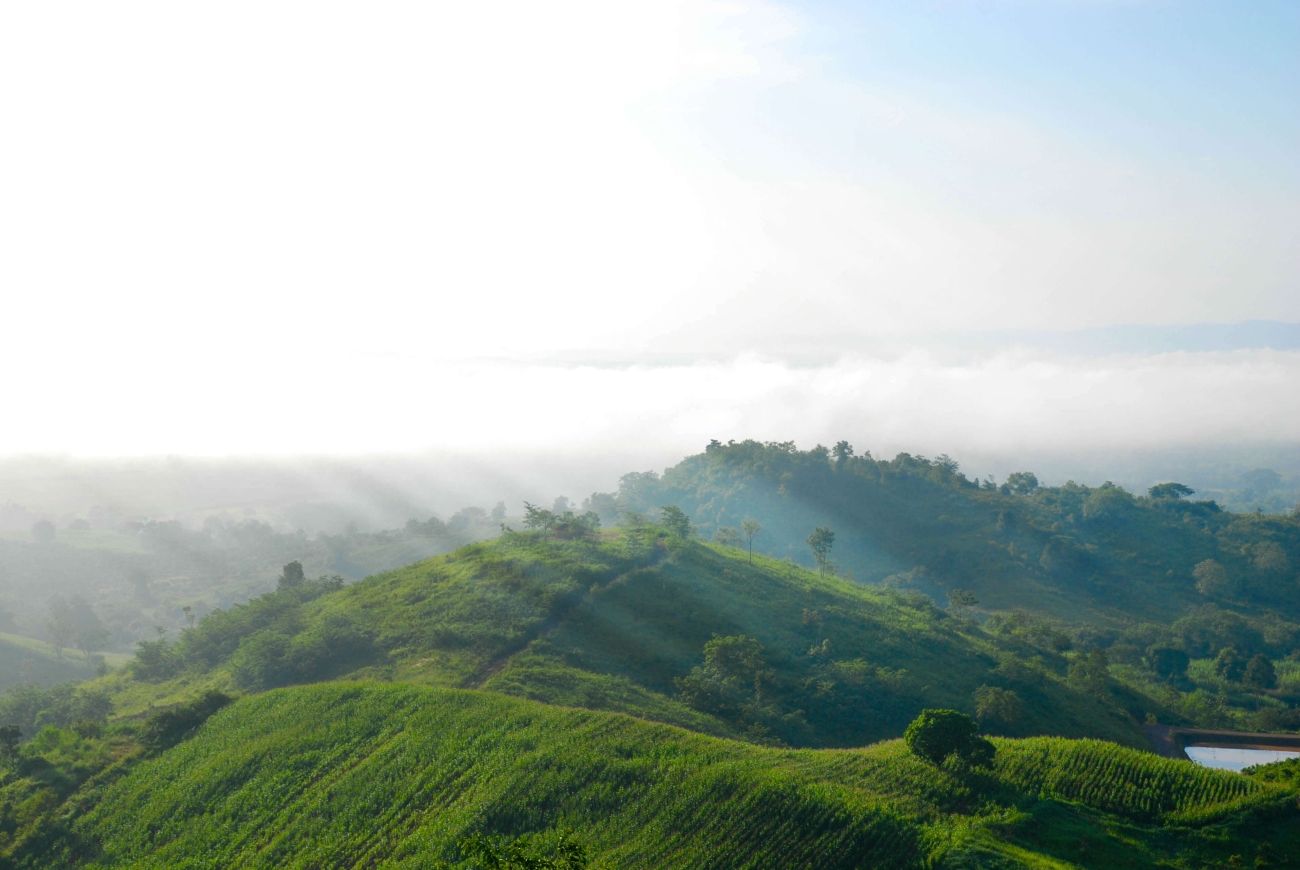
x: 366, y: 775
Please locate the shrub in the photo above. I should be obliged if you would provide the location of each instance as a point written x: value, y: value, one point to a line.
x: 1167, y: 661
x: 936, y: 735
x: 165, y: 728
x: 1259, y: 673
x: 1229, y: 665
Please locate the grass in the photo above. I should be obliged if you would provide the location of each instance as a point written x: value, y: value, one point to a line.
x: 391, y: 776
x: 614, y: 623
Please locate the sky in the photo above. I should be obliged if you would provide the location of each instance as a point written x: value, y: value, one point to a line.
x: 273, y: 228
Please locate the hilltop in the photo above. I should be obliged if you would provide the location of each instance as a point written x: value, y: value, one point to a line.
x: 393, y: 776
x: 1073, y: 552
x: 643, y: 621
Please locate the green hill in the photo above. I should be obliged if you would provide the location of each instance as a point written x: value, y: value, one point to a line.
x: 369, y: 775
x: 648, y: 623
x: 1074, y: 552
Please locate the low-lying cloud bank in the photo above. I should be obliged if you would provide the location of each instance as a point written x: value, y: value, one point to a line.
x: 1005, y: 402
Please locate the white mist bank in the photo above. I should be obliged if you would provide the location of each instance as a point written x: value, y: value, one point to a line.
x: 367, y: 404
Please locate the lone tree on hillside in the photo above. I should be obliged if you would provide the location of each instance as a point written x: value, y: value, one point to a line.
x: 61, y: 625
x: 750, y: 528
x: 538, y: 518
x: 675, y: 520
x: 292, y: 576
x: 960, y: 601
x: 937, y: 735
x: 820, y: 542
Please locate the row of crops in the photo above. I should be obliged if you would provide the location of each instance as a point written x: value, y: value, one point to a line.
x: 1115, y: 779
x: 393, y: 776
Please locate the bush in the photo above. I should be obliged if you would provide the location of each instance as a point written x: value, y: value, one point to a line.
x: 165, y: 728
x: 1167, y: 661
x: 1259, y: 673
x: 1229, y: 665
x: 937, y: 735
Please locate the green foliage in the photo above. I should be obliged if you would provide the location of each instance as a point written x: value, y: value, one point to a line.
x: 562, y: 851
x: 10, y: 735
x: 1167, y: 661
x: 166, y: 728
x: 1072, y: 552
x: 1022, y: 482
x: 625, y: 622
x: 675, y: 521
x: 728, y: 537
x: 997, y: 705
x: 1229, y: 665
x: 1259, y: 673
x: 820, y: 542
x: 937, y: 735
x: 731, y: 681
x: 1170, y: 490
x: 405, y: 777
x: 30, y: 708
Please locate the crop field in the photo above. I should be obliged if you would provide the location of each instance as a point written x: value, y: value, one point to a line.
x: 370, y: 775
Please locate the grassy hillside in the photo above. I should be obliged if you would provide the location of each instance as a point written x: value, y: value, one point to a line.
x: 369, y: 775
x: 1072, y: 551
x: 626, y: 622
x: 26, y: 660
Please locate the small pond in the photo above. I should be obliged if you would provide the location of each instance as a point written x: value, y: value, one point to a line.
x: 1227, y: 758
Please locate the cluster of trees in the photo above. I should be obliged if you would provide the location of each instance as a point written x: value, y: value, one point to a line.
x: 27, y: 708
x: 565, y: 525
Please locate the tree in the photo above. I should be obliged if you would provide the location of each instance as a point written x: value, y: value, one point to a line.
x: 937, y: 735
x: 60, y: 624
x: 1022, y: 482
x: 189, y: 614
x: 1259, y: 673
x: 820, y: 542
x: 1270, y: 558
x: 675, y: 520
x: 92, y: 638
x: 1229, y: 665
x: 1000, y: 705
x: 842, y: 452
x: 1091, y: 672
x: 291, y: 576
x: 43, y: 532
x: 498, y: 512
x: 727, y: 537
x: 960, y: 601
x: 538, y: 518
x: 750, y: 528
x: 10, y: 735
x: 1172, y: 491
x: 1211, y: 578
x: 1167, y: 661
x: 731, y: 679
